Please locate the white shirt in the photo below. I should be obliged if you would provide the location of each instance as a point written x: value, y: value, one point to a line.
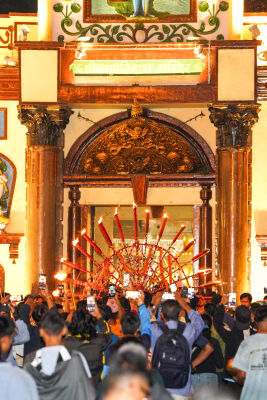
x: 49, y: 357
x: 251, y: 358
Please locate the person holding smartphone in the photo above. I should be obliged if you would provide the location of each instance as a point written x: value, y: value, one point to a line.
x: 83, y: 336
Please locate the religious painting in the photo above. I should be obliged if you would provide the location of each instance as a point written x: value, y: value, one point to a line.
x: 254, y: 7
x: 140, y: 10
x: 7, y: 183
x: 3, y: 123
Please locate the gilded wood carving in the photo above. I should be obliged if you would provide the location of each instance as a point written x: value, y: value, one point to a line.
x: 139, y: 146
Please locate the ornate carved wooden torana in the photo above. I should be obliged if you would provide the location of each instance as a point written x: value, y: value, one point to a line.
x: 139, y: 146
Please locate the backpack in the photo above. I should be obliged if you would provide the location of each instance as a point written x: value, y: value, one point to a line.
x: 171, y: 356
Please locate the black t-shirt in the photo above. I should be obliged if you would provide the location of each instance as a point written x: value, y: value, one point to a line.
x: 215, y: 359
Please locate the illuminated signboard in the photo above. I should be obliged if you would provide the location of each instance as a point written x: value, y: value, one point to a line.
x: 137, y: 67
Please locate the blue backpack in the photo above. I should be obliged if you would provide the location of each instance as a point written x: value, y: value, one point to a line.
x: 171, y: 356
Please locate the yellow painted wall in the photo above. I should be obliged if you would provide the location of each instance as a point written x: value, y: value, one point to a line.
x: 14, y: 149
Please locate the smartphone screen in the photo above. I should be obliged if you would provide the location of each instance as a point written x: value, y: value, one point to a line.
x: 112, y: 290
x: 90, y: 303
x: 232, y: 300
x: 17, y: 298
x: 168, y: 296
x: 173, y: 287
x: 131, y: 294
x: 126, y: 280
x: 61, y: 290
x: 42, y: 281
x: 184, y: 292
x: 191, y: 293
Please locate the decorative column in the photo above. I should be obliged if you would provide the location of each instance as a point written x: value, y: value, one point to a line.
x: 75, y: 220
x: 44, y: 162
x: 234, y: 132
x: 205, y: 231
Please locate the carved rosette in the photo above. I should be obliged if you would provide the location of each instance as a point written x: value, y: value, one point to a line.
x: 234, y: 123
x: 45, y: 124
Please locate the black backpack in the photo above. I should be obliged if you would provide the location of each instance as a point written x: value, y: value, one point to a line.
x: 171, y: 356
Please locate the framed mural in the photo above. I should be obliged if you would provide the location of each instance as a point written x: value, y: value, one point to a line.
x: 140, y: 10
x: 8, y: 174
x: 254, y: 7
x: 3, y: 123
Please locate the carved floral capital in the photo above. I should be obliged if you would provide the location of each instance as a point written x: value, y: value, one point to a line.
x: 45, y: 124
x: 234, y: 123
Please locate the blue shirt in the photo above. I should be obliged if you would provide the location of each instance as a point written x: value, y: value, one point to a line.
x: 191, y: 333
x: 16, y: 384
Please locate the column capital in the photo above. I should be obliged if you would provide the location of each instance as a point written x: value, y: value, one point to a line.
x: 206, y: 193
x: 45, y: 123
x: 234, y: 123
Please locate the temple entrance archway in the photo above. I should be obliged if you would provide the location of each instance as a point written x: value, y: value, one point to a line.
x: 139, y: 149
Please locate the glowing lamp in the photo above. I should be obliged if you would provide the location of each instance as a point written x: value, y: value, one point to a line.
x: 60, y: 276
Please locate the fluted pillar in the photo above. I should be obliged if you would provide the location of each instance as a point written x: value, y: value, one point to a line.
x: 45, y: 126
x: 205, y: 231
x: 75, y: 221
x: 234, y: 133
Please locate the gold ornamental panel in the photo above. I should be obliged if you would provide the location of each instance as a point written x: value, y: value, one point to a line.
x: 139, y: 146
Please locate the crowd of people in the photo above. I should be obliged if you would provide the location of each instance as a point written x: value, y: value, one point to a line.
x: 134, y: 349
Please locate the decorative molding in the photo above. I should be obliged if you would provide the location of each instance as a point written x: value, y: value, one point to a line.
x: 234, y: 123
x: 13, y: 239
x: 9, y: 83
x: 138, y: 30
x: 45, y: 124
x: 6, y: 37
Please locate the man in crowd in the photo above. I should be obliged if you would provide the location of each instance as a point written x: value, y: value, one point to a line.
x: 246, y: 299
x: 14, y: 382
x: 57, y: 373
x: 189, y: 333
x: 251, y: 360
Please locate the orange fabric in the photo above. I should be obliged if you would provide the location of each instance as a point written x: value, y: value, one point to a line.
x: 116, y: 328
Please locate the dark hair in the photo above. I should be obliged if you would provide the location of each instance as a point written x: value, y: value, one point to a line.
x: 38, y: 313
x: 59, y: 306
x: 254, y: 307
x: 120, y: 376
x: 28, y: 296
x: 105, y: 311
x: 148, y: 298
x: 265, y: 297
x: 261, y: 314
x: 246, y: 295
x: 83, y: 323
x: 210, y: 308
x: 7, y: 328
x: 81, y: 305
x: 208, y: 323
x: 171, y: 310
x: 242, y: 314
x: 125, y: 303
x: 130, y: 323
x: 52, y: 323
x: 216, y: 298
x: 129, y: 360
